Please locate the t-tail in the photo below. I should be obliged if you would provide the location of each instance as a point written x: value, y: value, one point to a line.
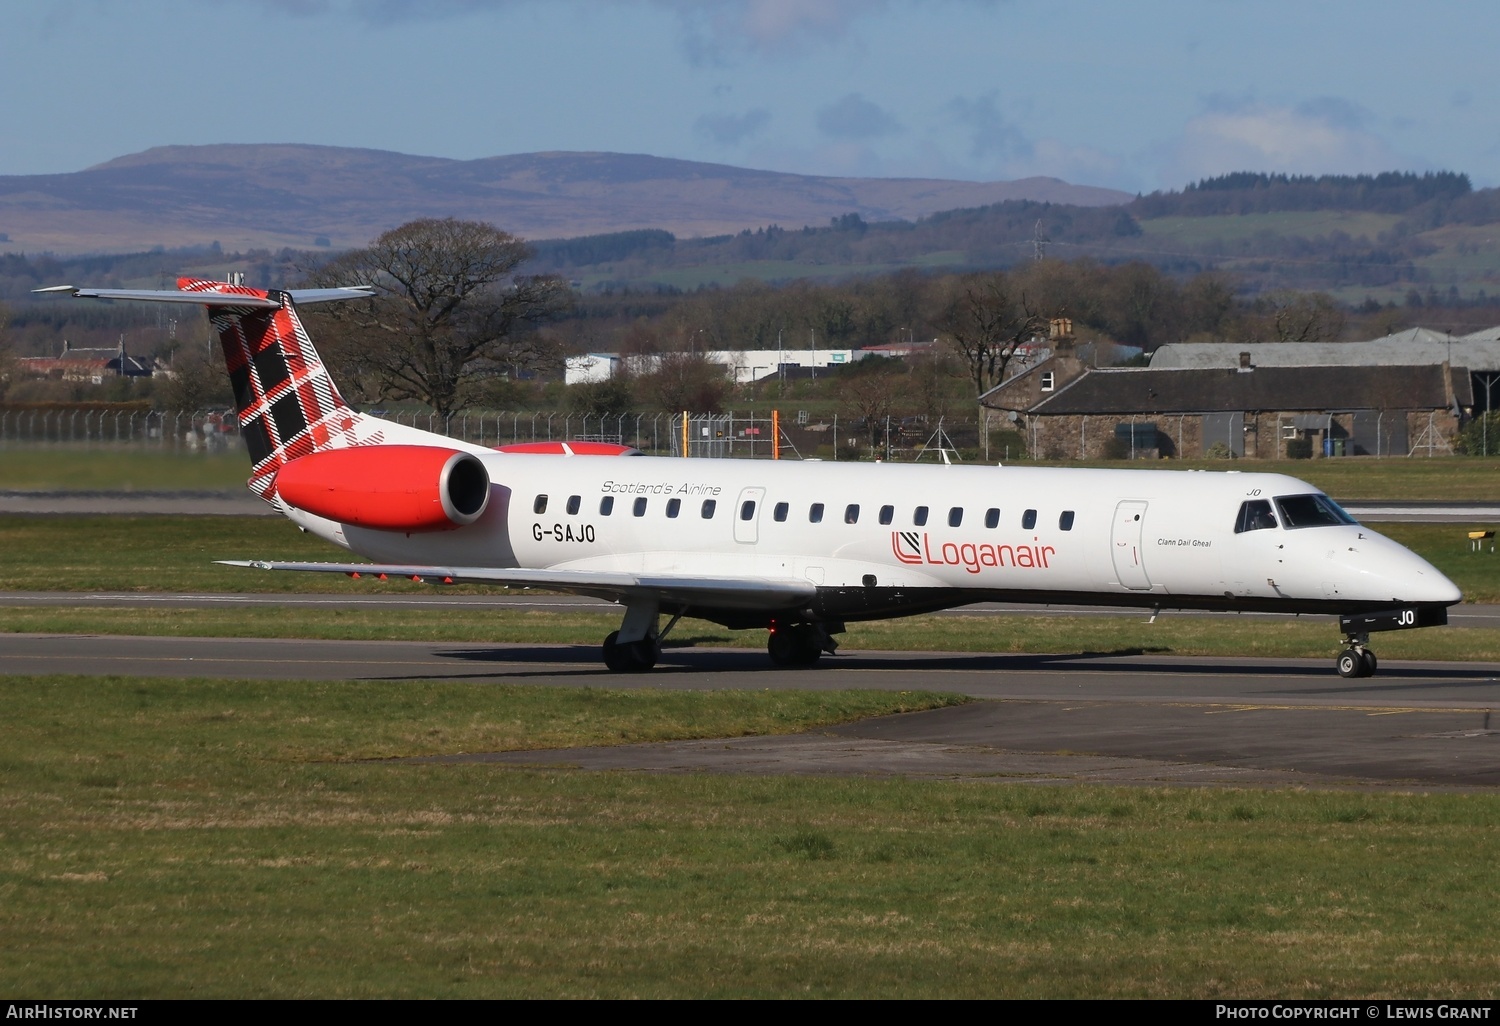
x: 287, y: 404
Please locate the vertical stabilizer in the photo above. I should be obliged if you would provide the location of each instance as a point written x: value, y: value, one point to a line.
x: 288, y: 406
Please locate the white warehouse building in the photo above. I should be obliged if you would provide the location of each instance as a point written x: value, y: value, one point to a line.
x: 745, y: 365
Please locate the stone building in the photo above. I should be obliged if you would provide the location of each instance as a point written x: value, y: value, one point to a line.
x: 1071, y: 411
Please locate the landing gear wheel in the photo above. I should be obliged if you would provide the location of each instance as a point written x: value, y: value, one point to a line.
x: 631, y: 656
x: 794, y: 646
x: 643, y: 654
x: 1356, y: 662
x: 615, y: 656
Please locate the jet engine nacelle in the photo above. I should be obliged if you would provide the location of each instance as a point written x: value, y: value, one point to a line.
x: 389, y: 487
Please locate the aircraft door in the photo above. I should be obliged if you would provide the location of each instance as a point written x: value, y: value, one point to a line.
x: 747, y: 515
x: 1126, y: 547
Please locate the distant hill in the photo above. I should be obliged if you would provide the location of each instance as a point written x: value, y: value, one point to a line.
x: 272, y: 196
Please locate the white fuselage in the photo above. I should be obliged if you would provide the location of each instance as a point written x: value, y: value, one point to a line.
x: 1113, y: 537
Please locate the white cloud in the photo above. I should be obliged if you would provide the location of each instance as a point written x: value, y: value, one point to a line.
x: 1321, y: 136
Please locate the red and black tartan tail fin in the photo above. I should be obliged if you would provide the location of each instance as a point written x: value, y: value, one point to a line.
x: 288, y: 405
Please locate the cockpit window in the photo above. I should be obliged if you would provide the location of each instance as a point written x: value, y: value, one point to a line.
x: 1311, y: 511
x: 1255, y: 515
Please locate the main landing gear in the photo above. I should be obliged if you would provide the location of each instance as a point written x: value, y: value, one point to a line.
x: 631, y: 656
x: 1357, y: 660
x: 801, y: 644
x: 636, y: 646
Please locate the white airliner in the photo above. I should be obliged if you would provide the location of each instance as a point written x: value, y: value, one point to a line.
x: 797, y: 547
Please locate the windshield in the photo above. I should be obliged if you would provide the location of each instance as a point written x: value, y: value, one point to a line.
x: 1311, y: 511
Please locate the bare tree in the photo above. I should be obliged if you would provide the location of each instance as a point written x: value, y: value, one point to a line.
x: 449, y: 310
x: 1287, y: 316
x: 872, y: 393
x: 1305, y: 317
x: 194, y: 381
x: 686, y: 381
x: 987, y: 318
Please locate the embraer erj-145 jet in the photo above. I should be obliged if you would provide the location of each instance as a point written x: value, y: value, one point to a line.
x: 797, y: 547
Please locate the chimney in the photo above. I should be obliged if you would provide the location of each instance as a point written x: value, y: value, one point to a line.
x: 1245, y: 365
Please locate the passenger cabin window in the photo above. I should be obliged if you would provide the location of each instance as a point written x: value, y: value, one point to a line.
x: 956, y: 516
x: 640, y: 507
x: 992, y: 518
x: 815, y: 513
x: 1065, y: 522
x: 747, y: 509
x: 851, y: 513
x: 919, y: 516
x: 1028, y: 519
x: 574, y: 501
x: 1255, y: 515
x: 606, y: 505
x: 709, y: 505
x: 1311, y: 511
x: 674, y: 507
x: 540, y: 505
x: 887, y: 514
x: 780, y: 512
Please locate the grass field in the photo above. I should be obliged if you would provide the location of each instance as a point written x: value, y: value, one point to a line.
x: 120, y: 468
x: 211, y: 839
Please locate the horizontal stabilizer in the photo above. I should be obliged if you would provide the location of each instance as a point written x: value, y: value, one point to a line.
x: 212, y: 298
x: 730, y: 592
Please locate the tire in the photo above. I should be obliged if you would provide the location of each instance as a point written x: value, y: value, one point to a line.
x: 782, y: 647
x: 643, y: 654
x: 1367, y: 657
x: 794, y: 646
x: 1350, y: 664
x: 615, y: 656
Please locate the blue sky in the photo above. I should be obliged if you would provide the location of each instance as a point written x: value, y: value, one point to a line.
x: 1136, y: 96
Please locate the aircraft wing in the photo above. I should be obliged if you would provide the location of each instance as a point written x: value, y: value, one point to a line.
x: 617, y: 585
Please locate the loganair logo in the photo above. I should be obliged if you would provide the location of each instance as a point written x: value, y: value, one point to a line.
x: 916, y: 549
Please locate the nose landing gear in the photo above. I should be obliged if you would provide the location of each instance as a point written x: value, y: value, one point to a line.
x: 1357, y: 660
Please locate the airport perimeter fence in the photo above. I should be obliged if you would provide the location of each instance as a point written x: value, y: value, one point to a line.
x: 728, y: 435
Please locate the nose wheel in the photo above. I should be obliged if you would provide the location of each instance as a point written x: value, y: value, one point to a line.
x: 1357, y: 660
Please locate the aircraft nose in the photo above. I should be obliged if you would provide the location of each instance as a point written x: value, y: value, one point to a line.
x: 1420, y: 581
